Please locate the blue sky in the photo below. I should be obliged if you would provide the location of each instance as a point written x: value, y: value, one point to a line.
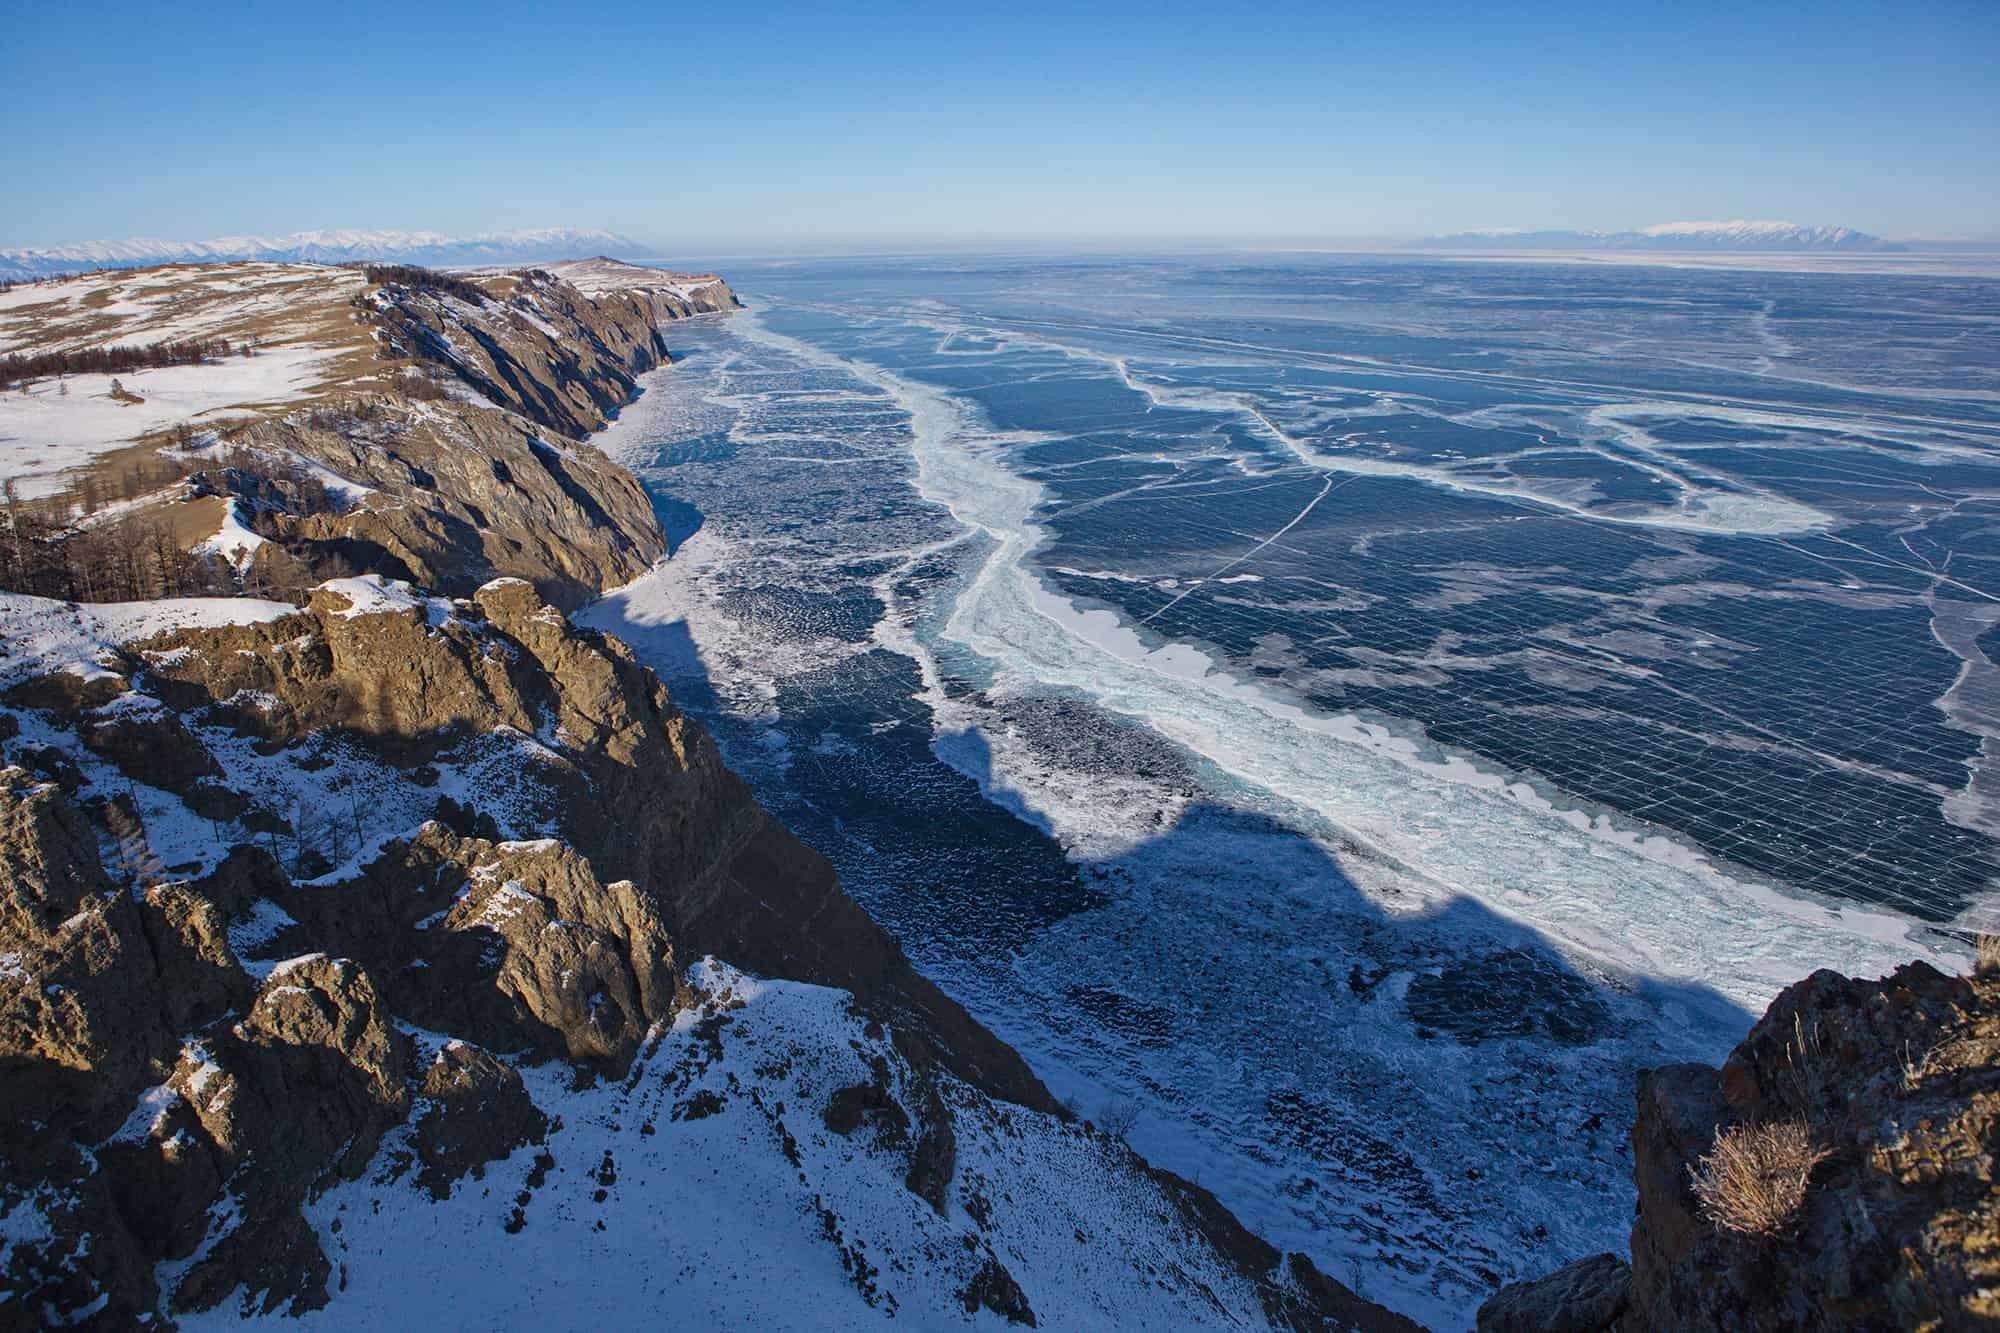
x: 804, y: 127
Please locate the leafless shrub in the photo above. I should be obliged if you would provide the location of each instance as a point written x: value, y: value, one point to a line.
x: 1986, y: 955
x: 1753, y: 1180
x: 1935, y: 1059
x: 1118, y: 1117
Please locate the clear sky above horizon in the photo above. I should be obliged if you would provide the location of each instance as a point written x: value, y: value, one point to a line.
x: 795, y: 126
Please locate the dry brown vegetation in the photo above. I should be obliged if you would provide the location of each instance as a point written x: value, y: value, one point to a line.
x: 124, y: 533
x: 1986, y: 955
x: 425, y: 279
x: 1753, y: 1180
x: 111, y: 360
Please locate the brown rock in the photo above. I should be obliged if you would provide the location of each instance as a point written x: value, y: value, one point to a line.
x: 588, y: 968
x: 245, y: 875
x: 277, y: 1262
x: 1680, y: 1108
x: 1295, y: 1294
x: 872, y: 1104
x: 164, y: 1181
x: 994, y: 1288
x: 200, y: 979
x: 79, y: 1020
x: 475, y: 1111
x: 1587, y: 1296
x: 68, y: 693
x: 150, y: 745
x: 296, y: 1093
x: 934, y: 1156
x: 1897, y: 1082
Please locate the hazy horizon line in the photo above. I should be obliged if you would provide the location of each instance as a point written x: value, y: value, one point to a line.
x: 886, y: 241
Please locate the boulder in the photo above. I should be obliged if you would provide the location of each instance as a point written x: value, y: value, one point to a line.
x: 1588, y: 1296
x: 297, y: 1093
x: 475, y: 1110
x: 80, y: 1022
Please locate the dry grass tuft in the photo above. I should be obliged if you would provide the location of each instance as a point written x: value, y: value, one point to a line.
x: 1986, y: 955
x: 1754, y: 1178
x: 1806, y: 1066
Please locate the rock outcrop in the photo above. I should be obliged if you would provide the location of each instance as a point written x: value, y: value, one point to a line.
x: 1896, y: 1084
x: 475, y: 1111
x: 79, y: 1019
x: 636, y: 788
x: 532, y: 951
x: 454, y: 498
x: 96, y: 987
x: 668, y: 295
x: 448, y: 489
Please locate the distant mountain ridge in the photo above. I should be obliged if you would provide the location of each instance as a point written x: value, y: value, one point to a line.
x: 325, y: 247
x: 1736, y: 235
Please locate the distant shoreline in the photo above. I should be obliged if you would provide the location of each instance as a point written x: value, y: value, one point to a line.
x: 1960, y: 264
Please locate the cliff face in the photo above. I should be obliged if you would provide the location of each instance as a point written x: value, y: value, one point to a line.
x: 450, y: 487
x: 564, y: 355
x: 1895, y: 1086
x: 445, y: 499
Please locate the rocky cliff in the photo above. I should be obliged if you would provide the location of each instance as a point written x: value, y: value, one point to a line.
x: 1836, y: 1173
x: 469, y: 461
x: 322, y: 922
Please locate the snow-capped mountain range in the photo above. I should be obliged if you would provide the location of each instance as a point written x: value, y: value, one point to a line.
x: 325, y: 247
x: 1737, y: 235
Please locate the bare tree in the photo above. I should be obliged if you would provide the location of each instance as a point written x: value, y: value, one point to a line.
x: 1119, y: 1117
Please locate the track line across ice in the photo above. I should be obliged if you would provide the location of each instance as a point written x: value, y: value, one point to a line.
x: 1437, y: 823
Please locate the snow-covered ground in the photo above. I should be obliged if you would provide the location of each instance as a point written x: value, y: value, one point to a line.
x: 38, y: 636
x: 294, y: 316
x: 53, y: 427
x: 270, y: 302
x: 707, y: 1183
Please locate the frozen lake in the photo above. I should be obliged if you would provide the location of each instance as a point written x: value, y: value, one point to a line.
x: 1353, y: 712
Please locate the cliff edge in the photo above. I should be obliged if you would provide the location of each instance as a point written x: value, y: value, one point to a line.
x: 1836, y: 1173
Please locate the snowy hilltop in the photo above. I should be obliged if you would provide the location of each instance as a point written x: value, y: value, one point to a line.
x: 322, y: 247
x: 1727, y: 236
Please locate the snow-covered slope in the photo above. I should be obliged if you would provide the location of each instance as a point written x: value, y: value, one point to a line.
x: 708, y: 1182
x: 377, y: 1073
x: 1736, y: 235
x: 323, y: 247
